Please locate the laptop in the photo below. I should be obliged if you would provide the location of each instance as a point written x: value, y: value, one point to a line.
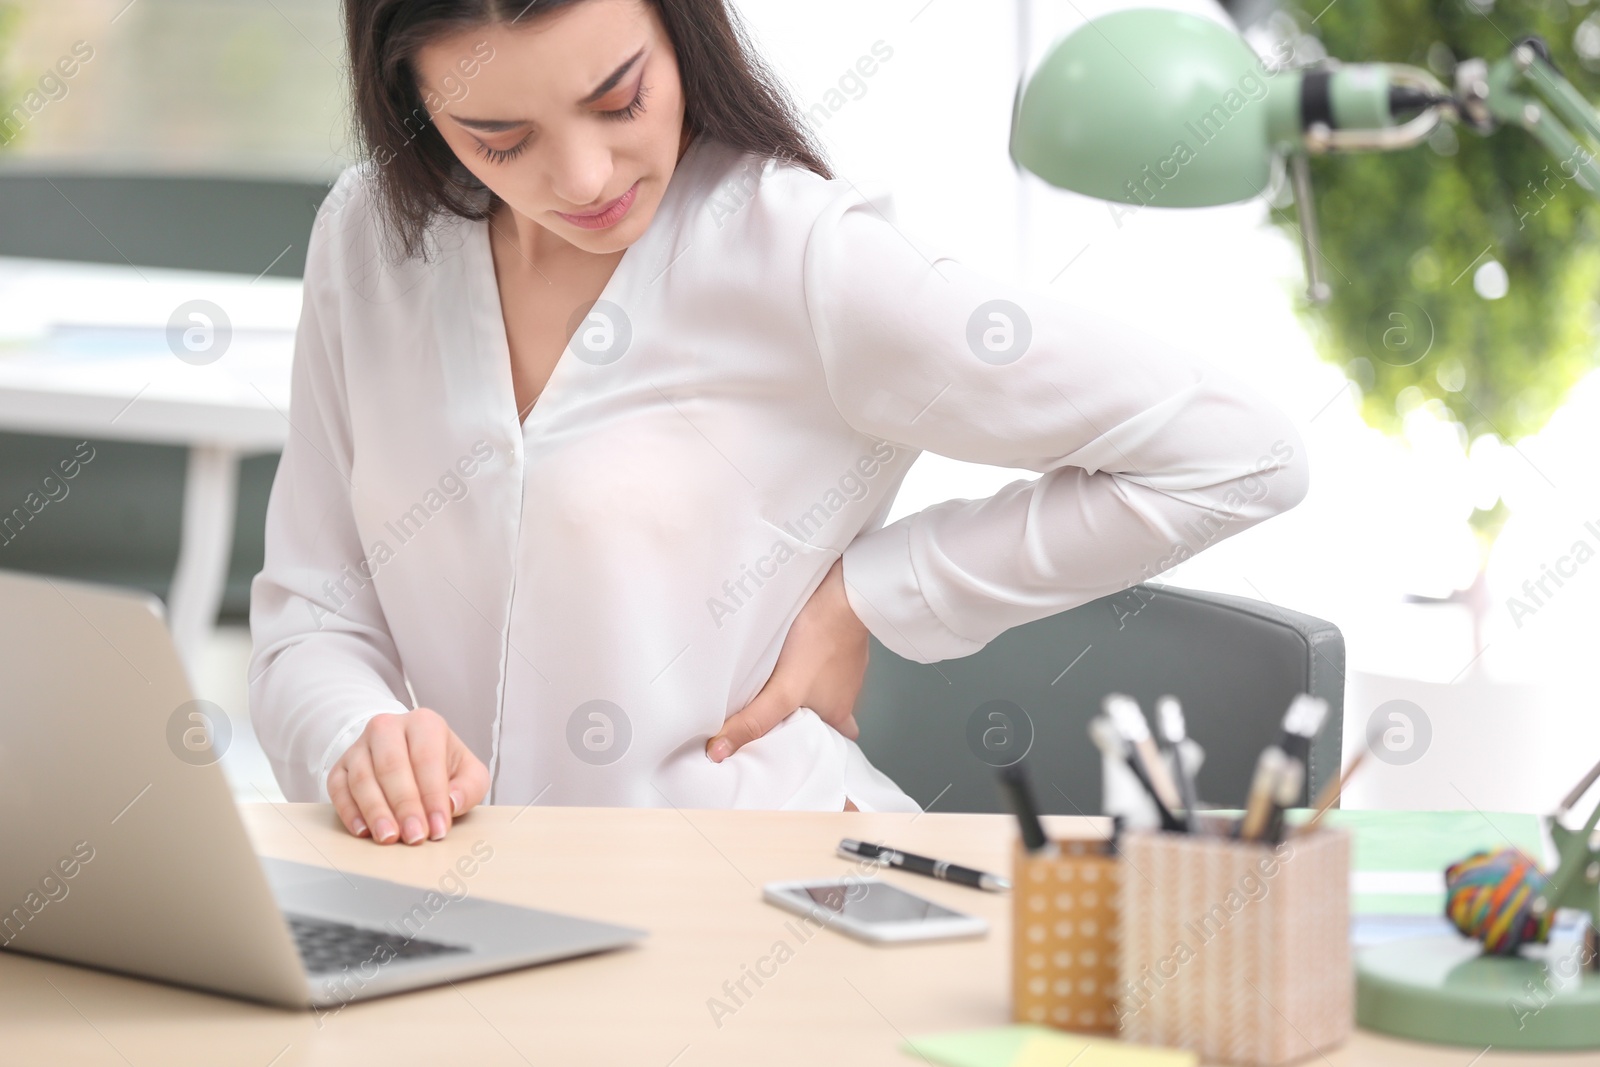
x: 121, y: 847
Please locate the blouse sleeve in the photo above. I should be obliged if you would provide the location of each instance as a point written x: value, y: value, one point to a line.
x: 323, y: 662
x: 1147, y: 454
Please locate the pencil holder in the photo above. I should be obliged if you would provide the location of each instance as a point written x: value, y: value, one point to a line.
x: 1064, y: 937
x: 1236, y: 950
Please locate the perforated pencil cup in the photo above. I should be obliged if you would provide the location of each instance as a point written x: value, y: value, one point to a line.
x: 1064, y: 937
x: 1236, y: 950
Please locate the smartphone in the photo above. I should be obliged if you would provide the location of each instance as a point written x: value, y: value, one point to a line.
x: 871, y: 910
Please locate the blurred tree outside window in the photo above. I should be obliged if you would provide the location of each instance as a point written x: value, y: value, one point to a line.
x: 248, y: 87
x: 1465, y: 271
x: 1484, y: 234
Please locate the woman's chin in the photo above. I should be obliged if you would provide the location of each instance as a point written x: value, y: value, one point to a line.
x: 614, y: 239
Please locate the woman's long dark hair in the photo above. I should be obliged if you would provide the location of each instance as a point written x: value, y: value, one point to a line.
x: 729, y: 96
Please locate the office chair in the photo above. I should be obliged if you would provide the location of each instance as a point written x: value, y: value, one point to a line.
x: 942, y: 729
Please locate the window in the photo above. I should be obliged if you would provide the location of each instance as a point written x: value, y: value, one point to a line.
x: 189, y: 86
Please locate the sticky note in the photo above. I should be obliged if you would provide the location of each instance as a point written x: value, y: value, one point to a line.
x: 1039, y: 1046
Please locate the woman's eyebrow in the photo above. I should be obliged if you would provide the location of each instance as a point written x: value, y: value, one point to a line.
x: 501, y: 125
x: 611, y: 81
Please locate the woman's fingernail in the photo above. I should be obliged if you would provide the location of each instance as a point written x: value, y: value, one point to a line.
x: 437, y: 824
x: 457, y: 802
x: 721, y: 749
x: 414, y: 831
x: 384, y: 831
x: 358, y: 826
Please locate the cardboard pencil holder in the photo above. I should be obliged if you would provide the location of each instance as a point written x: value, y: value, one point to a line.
x: 1064, y: 937
x: 1239, y: 951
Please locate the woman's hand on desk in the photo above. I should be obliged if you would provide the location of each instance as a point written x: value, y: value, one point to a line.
x: 406, y: 778
x: 821, y: 666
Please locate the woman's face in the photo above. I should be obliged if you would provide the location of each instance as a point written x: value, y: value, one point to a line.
x: 574, y: 119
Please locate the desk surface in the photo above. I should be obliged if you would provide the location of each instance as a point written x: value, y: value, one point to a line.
x: 693, y: 878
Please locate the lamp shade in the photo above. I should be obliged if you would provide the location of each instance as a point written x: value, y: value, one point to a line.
x: 1155, y: 108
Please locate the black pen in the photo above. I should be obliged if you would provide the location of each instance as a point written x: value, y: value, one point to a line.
x: 906, y: 861
x: 1019, y: 798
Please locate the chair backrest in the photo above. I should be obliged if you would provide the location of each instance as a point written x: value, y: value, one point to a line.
x: 188, y: 222
x: 941, y: 729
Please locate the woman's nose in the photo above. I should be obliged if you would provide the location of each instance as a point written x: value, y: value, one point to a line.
x: 580, y: 175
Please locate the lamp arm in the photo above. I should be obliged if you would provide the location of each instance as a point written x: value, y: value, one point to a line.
x: 1516, y: 88
x: 1576, y: 881
x: 1320, y: 138
x: 1560, y: 143
x: 1565, y: 99
x: 1318, y: 292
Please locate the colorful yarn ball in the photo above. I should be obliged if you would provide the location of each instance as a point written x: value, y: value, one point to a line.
x: 1490, y: 895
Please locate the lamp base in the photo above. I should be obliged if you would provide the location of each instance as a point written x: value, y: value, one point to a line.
x: 1445, y: 990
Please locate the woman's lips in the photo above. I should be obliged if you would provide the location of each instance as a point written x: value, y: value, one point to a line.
x: 609, y: 215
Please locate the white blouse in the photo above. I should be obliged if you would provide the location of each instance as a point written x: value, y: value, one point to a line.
x: 586, y: 596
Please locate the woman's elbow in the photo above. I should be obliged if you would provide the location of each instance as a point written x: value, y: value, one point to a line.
x: 1284, y: 468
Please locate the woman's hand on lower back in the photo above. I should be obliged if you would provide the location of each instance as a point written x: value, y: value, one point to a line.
x: 406, y: 778
x: 821, y: 666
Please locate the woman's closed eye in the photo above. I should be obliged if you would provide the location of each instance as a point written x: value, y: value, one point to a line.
x: 503, y: 155
x: 629, y: 111
x: 633, y: 108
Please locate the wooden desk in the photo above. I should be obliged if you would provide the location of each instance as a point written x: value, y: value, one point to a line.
x: 693, y: 878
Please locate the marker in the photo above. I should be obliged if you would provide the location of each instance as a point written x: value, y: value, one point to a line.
x: 1301, y: 723
x: 1285, y: 791
x: 940, y: 869
x: 1019, y: 798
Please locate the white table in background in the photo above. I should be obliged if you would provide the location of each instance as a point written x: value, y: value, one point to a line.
x: 84, y: 353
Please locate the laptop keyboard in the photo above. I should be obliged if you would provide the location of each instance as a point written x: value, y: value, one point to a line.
x: 327, y: 946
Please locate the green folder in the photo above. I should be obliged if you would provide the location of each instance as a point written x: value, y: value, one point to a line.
x: 1425, y: 841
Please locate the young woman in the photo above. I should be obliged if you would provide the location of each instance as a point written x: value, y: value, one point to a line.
x: 603, y: 389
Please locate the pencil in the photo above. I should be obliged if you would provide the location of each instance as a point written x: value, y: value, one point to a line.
x: 1330, y: 794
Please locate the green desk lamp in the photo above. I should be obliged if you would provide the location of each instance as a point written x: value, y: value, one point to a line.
x: 1157, y: 108
x: 1154, y: 108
